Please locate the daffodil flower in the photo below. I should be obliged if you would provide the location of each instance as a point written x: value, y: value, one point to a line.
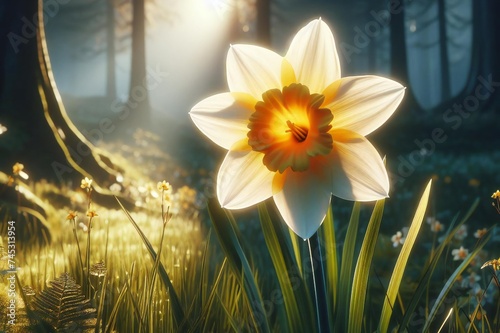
x: 295, y: 130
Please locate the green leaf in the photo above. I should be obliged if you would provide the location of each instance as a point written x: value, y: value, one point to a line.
x: 101, y: 306
x: 202, y: 319
x: 428, y: 269
x: 451, y: 280
x: 114, y: 312
x: 229, y: 238
x: 362, y: 270
x: 346, y: 270
x: 296, y: 249
x: 300, y: 316
x: 399, y: 268
x: 327, y: 231
x: 177, y: 310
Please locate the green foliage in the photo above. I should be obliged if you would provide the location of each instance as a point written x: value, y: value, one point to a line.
x: 449, y: 283
x: 362, y: 270
x: 399, y: 268
x: 230, y: 240
x: 346, y: 271
x: 298, y: 307
x: 225, y: 283
x: 62, y: 306
x: 348, y: 288
x: 177, y: 309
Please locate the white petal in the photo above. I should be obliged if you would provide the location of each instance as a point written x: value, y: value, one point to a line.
x: 314, y: 57
x: 364, y: 103
x: 253, y: 69
x: 243, y: 180
x: 222, y: 118
x: 303, y: 202
x: 359, y: 173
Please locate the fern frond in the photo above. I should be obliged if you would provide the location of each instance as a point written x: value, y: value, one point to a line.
x: 63, y: 307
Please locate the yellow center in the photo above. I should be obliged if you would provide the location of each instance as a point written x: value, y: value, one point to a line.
x: 290, y: 128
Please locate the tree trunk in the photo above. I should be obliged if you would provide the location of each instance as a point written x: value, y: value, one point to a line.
x: 138, y: 101
x: 399, y: 59
x: 111, y: 52
x: 399, y: 62
x: 443, y: 52
x: 264, y: 22
x: 486, y: 48
x: 40, y: 134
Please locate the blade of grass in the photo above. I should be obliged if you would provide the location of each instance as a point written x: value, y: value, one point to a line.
x: 297, y: 311
x: 362, y: 270
x: 429, y: 268
x: 232, y: 321
x: 29, y: 312
x: 135, y: 305
x: 327, y: 232
x: 150, y: 293
x: 346, y: 270
x: 296, y: 250
x: 227, y: 232
x: 451, y: 280
x: 208, y: 307
x: 101, y: 306
x: 114, y: 312
x: 201, y: 298
x: 175, y: 303
x: 399, y: 267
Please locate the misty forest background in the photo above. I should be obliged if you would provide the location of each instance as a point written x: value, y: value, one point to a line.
x: 120, y: 65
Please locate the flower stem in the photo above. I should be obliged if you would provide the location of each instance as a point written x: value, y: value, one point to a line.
x: 318, y: 279
x: 87, y: 259
x: 78, y: 246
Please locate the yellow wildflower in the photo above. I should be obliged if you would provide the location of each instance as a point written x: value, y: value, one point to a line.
x: 495, y: 264
x: 164, y: 186
x: 86, y: 183
x: 18, y: 167
x: 92, y: 213
x: 17, y: 170
x: 496, y: 195
x: 71, y: 215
